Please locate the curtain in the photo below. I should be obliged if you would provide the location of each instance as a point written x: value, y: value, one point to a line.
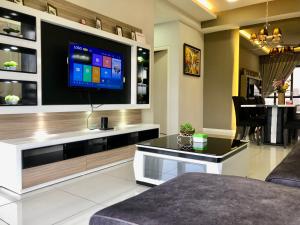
x: 276, y: 67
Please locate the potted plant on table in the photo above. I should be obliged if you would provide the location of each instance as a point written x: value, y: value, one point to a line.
x: 187, y: 129
x: 280, y: 86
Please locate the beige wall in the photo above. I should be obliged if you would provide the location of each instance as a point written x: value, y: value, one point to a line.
x: 185, y: 93
x: 191, y: 88
x: 166, y: 36
x: 139, y: 13
x: 221, y: 63
x: 248, y: 60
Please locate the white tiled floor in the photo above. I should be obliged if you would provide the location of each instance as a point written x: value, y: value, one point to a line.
x: 74, y: 201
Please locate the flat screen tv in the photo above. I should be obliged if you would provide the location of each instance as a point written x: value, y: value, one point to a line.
x: 93, y: 68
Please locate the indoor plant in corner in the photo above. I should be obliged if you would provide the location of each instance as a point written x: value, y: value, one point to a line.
x: 280, y: 86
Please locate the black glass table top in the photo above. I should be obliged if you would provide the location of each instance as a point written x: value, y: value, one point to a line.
x: 214, y: 146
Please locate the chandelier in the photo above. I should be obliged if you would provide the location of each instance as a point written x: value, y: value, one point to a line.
x: 263, y: 39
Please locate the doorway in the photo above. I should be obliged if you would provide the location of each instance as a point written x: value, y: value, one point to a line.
x: 160, y: 88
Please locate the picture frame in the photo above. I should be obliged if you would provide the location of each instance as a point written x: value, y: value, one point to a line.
x: 51, y: 9
x: 119, y: 31
x: 98, y: 24
x: 133, y: 36
x: 19, y: 2
x: 191, y: 60
x: 140, y: 37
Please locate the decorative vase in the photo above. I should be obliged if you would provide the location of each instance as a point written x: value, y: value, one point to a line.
x: 281, y: 98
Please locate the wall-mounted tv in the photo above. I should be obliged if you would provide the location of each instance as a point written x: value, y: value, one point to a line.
x: 94, y: 68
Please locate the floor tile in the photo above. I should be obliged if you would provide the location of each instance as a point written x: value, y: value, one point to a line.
x: 123, y: 171
x: 128, y: 194
x: 98, y: 188
x: 43, y: 209
x: 2, y: 222
x: 7, y: 197
x: 81, y: 218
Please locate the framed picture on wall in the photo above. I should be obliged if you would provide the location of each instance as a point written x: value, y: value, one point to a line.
x: 51, y: 9
x: 98, y: 24
x: 119, y: 31
x: 191, y: 60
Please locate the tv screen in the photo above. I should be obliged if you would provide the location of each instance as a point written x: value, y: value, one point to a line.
x: 93, y: 68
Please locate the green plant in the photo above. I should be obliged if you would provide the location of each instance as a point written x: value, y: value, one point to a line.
x: 10, y: 64
x: 187, y: 128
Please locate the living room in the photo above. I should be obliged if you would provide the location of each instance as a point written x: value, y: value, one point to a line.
x: 149, y: 112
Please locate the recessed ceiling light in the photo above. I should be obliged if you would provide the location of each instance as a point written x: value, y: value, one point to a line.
x: 7, y: 17
x: 14, y: 14
x: 140, y: 49
x: 231, y: 1
x: 6, y: 49
x: 14, y: 48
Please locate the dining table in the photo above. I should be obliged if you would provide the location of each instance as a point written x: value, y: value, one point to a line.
x: 276, y: 117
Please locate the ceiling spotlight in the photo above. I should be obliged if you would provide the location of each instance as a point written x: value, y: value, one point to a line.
x: 140, y: 49
x: 14, y: 14
x: 14, y: 48
x: 231, y: 1
x: 7, y: 17
x: 6, y: 49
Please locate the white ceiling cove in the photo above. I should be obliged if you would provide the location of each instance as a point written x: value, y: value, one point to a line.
x: 223, y: 5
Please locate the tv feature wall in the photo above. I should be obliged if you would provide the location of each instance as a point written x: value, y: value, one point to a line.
x: 56, y: 87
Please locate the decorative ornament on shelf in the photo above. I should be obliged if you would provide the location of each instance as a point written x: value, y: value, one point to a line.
x: 51, y: 9
x: 281, y: 86
x: 12, y: 100
x: 82, y: 21
x: 98, y: 24
x: 10, y: 65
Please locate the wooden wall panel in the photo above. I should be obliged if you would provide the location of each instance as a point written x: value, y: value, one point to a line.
x: 26, y: 125
x: 45, y: 173
x: 74, y: 12
x: 107, y: 157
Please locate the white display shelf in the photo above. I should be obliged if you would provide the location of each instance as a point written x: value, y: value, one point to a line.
x: 56, y: 20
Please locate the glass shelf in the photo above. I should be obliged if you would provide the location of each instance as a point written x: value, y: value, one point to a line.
x: 143, y: 56
x: 18, y: 93
x: 17, y: 59
x: 19, y: 25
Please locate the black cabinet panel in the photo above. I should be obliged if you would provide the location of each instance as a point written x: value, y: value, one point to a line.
x: 75, y: 149
x: 42, y: 156
x: 117, y: 141
x: 51, y: 154
x: 96, y: 145
x: 148, y: 134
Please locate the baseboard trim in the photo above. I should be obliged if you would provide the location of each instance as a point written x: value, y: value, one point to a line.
x: 219, y: 131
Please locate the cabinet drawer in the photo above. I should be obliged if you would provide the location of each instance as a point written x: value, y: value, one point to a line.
x: 111, y: 156
x: 45, y: 173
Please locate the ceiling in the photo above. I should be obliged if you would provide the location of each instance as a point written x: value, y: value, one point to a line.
x: 170, y: 10
x: 290, y: 32
x: 223, y: 5
x: 183, y: 10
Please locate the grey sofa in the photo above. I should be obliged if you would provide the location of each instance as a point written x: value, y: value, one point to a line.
x: 206, y: 199
x: 288, y: 171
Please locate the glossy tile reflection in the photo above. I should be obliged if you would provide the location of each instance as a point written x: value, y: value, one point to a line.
x: 73, y: 202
